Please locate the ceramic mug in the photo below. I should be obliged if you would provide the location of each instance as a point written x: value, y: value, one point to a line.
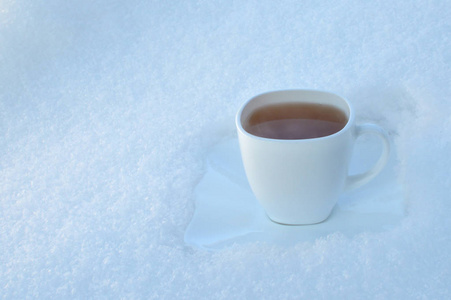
x: 299, y: 181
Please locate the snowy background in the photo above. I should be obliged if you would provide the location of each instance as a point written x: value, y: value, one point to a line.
x: 107, y: 109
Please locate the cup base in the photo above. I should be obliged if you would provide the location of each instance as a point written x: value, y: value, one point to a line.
x: 299, y: 223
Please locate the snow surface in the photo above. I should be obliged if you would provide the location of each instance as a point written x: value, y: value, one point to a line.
x: 107, y: 109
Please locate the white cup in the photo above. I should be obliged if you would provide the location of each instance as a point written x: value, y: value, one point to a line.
x: 299, y: 181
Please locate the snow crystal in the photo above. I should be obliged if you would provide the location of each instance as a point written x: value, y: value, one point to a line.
x: 108, y: 109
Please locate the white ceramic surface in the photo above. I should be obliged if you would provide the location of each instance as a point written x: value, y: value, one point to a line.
x: 299, y: 181
x: 227, y: 212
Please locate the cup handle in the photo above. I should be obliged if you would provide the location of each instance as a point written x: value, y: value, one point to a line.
x: 355, y: 181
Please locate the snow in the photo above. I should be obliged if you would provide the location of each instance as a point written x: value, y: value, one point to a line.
x: 108, y: 109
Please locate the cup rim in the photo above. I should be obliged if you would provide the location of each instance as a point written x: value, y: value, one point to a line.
x: 348, y: 125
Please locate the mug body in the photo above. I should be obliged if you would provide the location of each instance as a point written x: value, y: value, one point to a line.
x: 297, y: 181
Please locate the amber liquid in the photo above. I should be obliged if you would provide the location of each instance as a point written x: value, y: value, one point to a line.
x: 293, y: 121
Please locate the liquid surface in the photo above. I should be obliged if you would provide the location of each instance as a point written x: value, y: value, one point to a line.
x: 293, y: 121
